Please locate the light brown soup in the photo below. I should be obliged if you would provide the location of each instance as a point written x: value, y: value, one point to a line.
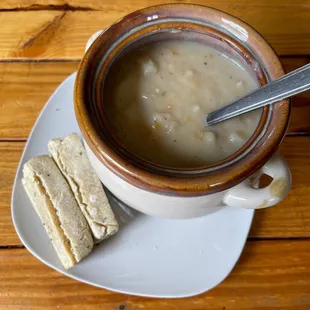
x: 159, y: 96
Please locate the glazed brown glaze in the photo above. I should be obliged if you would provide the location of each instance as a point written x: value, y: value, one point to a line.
x: 177, y: 21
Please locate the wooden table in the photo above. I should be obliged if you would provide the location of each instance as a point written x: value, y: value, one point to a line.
x: 42, y: 44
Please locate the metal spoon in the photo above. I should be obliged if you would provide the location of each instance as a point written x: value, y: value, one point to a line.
x: 286, y: 86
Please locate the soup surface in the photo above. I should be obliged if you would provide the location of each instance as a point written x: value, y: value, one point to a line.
x: 157, y: 98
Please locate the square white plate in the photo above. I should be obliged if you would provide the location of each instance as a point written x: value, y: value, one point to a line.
x: 149, y: 256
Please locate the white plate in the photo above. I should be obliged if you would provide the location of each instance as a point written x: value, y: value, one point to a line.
x: 148, y: 256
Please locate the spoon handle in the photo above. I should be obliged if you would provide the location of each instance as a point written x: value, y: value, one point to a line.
x: 286, y: 86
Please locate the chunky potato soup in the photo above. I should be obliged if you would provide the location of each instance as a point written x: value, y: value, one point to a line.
x: 158, y: 97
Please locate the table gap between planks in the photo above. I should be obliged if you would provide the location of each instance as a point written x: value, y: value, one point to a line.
x: 41, y: 43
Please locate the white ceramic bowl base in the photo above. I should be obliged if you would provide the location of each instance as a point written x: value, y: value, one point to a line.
x: 149, y: 256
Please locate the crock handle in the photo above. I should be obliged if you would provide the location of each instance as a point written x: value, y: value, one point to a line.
x: 244, y: 195
x: 92, y: 39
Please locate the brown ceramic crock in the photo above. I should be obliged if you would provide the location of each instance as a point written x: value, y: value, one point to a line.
x: 165, y: 22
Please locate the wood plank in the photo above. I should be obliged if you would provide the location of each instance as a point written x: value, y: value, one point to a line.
x: 291, y: 218
x: 63, y: 34
x: 135, y: 4
x: 9, y: 157
x: 49, y: 34
x: 300, y: 117
x: 25, y: 87
x: 269, y: 274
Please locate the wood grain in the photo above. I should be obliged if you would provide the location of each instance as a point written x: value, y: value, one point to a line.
x: 9, y: 158
x: 25, y: 87
x: 124, y: 6
x: 269, y: 275
x: 300, y: 118
x: 289, y: 219
x: 57, y: 34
